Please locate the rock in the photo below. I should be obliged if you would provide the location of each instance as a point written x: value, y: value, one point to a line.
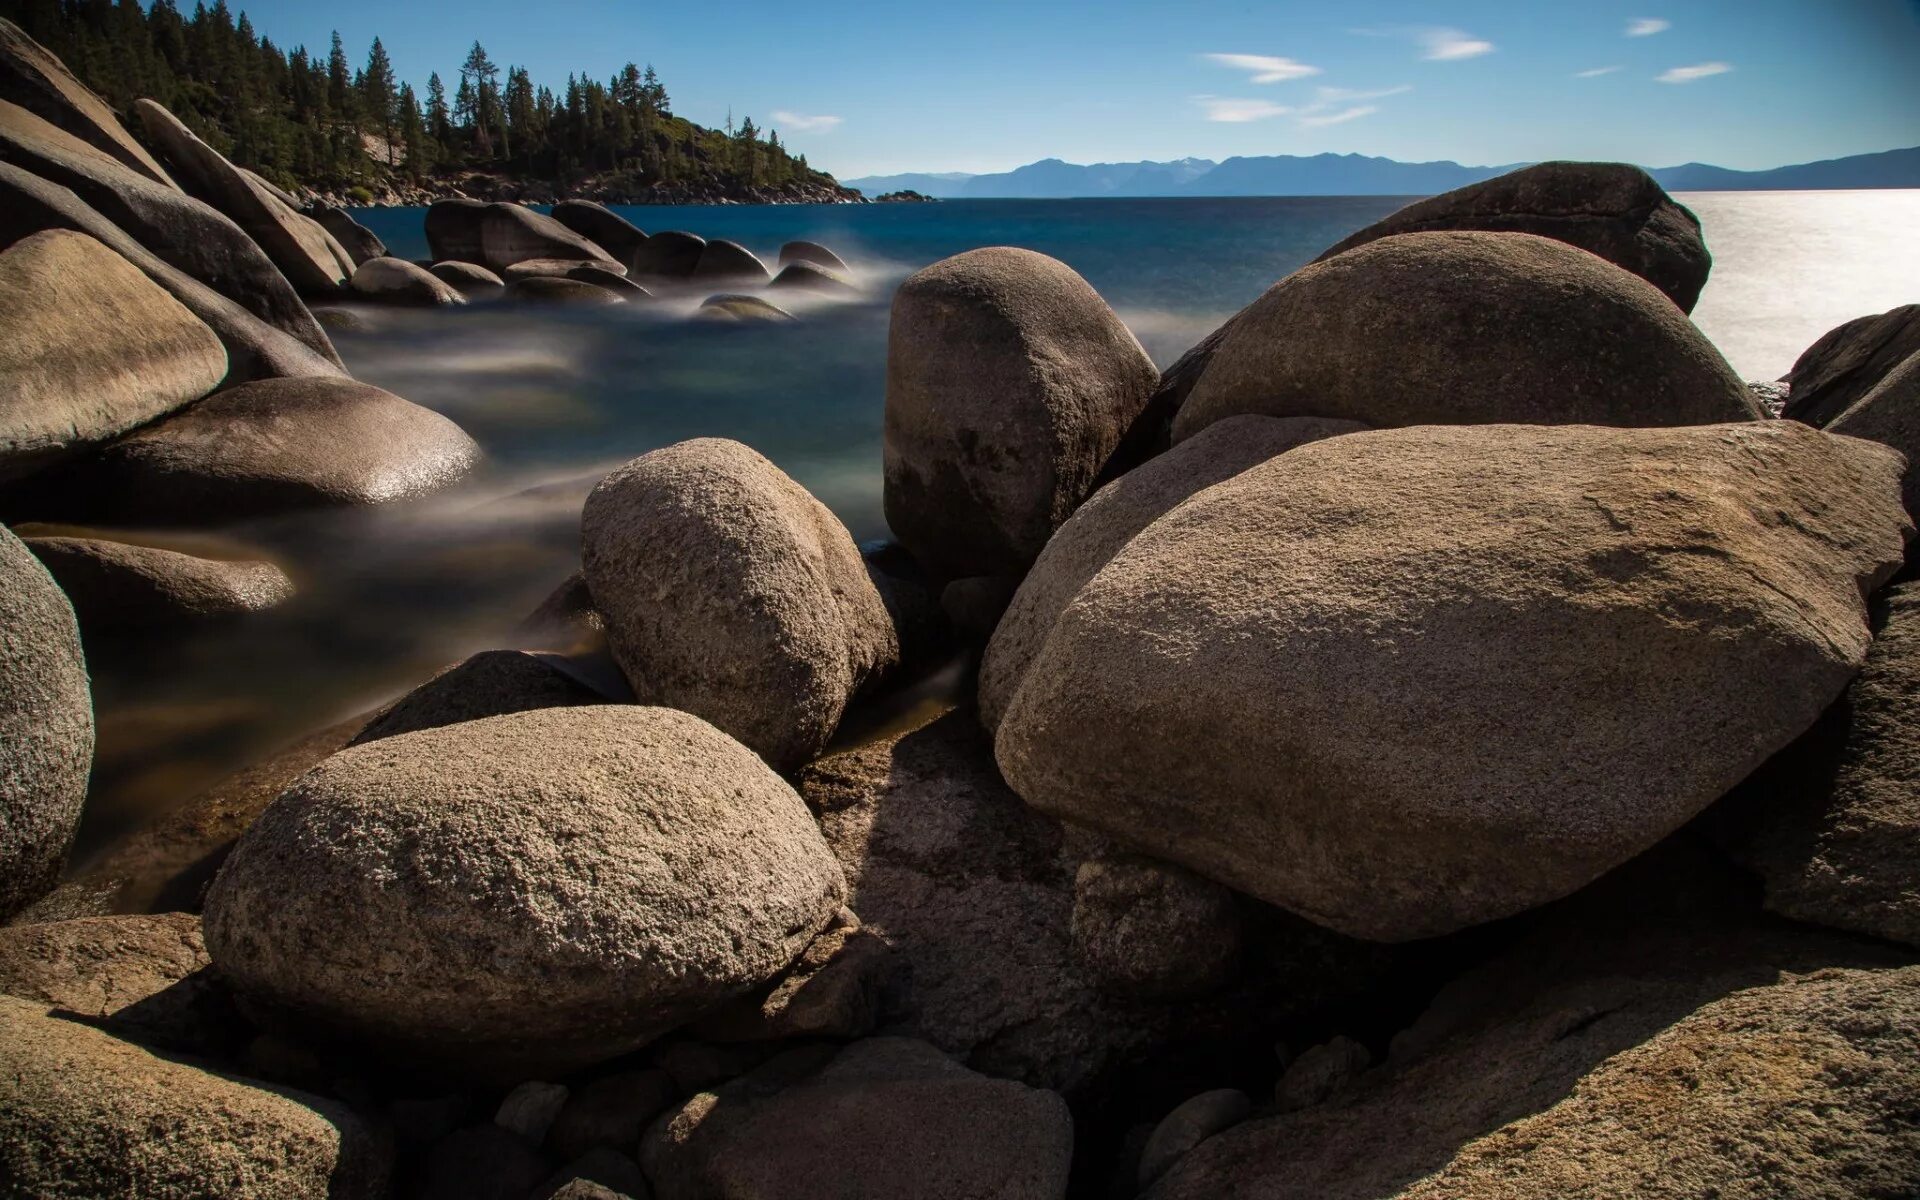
x: 746, y: 309
x: 46, y: 729
x: 975, y: 604
x: 483, y: 1162
x: 1849, y: 361
x: 488, y: 684
x: 83, y: 1113
x: 572, y: 293
x: 304, y: 251
x: 1485, y: 328
x: 361, y: 244
x: 1153, y: 930
x: 1635, y: 619
x: 696, y: 1066
x: 913, y: 605
x: 471, y: 280
x: 1009, y: 384
x: 1111, y: 518
x: 186, y: 234
x: 1320, y: 1072
x: 453, y: 230
x: 614, y: 281
x: 280, y: 445
x: 499, y: 235
x: 1614, y: 210
x: 586, y: 1189
x: 93, y: 349
x: 1890, y: 415
x: 116, y: 587
x: 732, y: 594
x: 144, y: 978
x: 655, y: 870
x: 834, y: 990
x: 811, y: 252
x: 529, y: 1110
x: 806, y: 277
x: 554, y: 268
x: 670, y: 255
x: 255, y: 348
x: 603, y: 1174
x: 610, y: 231
x: 397, y: 281
x: 343, y: 320
x: 722, y: 261
x: 1187, y: 1126
x: 565, y: 622
x: 885, y: 1117
x: 39, y: 82
x: 1769, y: 394
x: 611, y: 1112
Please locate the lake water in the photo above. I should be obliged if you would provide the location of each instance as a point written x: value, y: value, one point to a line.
x: 559, y: 398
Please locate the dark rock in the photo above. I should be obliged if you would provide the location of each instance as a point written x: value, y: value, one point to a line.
x: 117, y: 587
x: 529, y: 1110
x: 545, y: 289
x: 722, y: 261
x: 488, y: 684
x: 807, y: 277
x: 1849, y: 361
x: 602, y: 1174
x: 613, y: 281
x: 975, y: 604
x: 397, y: 281
x: 565, y: 622
x: 696, y: 1066
x: 1149, y: 929
x: 39, y: 82
x: 453, y: 230
x: 811, y: 252
x: 361, y: 244
x: 471, y: 280
x: 834, y: 990
x: 1319, y: 1072
x: 500, y: 235
x: 669, y: 255
x: 612, y: 232
x: 482, y: 1162
x: 611, y: 1112
x: 1890, y: 415
x: 1187, y: 1126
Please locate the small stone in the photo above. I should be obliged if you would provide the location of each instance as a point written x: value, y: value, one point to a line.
x: 1320, y: 1072
x: 596, y: 1175
x: 1154, y: 930
x: 612, y: 1111
x: 529, y: 1110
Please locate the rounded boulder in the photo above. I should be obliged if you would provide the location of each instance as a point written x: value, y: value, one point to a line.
x: 670, y: 254
x: 397, y: 281
x: 722, y: 261
x: 811, y: 252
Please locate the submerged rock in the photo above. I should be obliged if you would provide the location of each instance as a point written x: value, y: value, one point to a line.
x: 361, y: 244
x: 572, y: 293
x: 745, y: 309
x: 605, y: 228
x: 809, y: 277
x: 471, y: 280
x: 615, y: 281
x: 811, y: 252
x: 117, y: 587
x: 397, y: 281
x: 669, y: 255
x: 1849, y: 361
x: 722, y: 261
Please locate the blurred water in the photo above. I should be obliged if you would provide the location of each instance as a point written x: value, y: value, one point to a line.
x: 559, y: 397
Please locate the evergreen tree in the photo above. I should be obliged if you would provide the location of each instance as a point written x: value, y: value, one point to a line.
x: 377, y: 95
x: 439, y: 121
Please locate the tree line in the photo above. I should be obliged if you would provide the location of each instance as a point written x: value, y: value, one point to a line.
x: 310, y: 120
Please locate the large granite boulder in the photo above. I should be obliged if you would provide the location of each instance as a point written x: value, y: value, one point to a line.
x: 92, y: 350
x: 669, y: 255
x: 1009, y: 385
x: 735, y: 308
x: 1849, y: 361
x: 882, y: 1118
x: 603, y: 227
x: 84, y: 1114
x: 304, y: 251
x: 731, y: 593
x: 809, y: 277
x: 499, y: 235
x: 39, y: 82
x: 1455, y: 672
x: 730, y: 263
x: 183, y: 232
x: 360, y: 243
x: 1890, y: 415
x: 278, y: 445
x: 118, y: 587
x: 1614, y: 210
x: 531, y: 892
x: 569, y: 293
x: 46, y: 728
x: 397, y: 281
x: 811, y: 252
x: 1466, y: 328
x: 471, y: 280
x: 256, y: 349
x: 1110, y: 518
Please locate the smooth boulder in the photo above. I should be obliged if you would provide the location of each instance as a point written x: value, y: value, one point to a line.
x: 731, y: 593
x: 1456, y: 672
x: 397, y: 281
x: 670, y: 255
x: 1848, y: 361
x: 1614, y: 210
x: 1890, y: 415
x: 722, y: 261
x: 614, y: 279
x: 1010, y: 383
x: 603, y: 227
x: 532, y: 892
x: 93, y: 349
x: 1466, y: 328
x: 360, y: 243
x: 746, y: 310
x: 569, y: 293
x: 471, y: 280
x: 39, y: 82
x: 499, y: 235
x: 810, y: 277
x: 118, y: 587
x: 811, y: 252
x: 488, y: 684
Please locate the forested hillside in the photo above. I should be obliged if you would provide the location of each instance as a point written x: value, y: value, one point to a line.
x: 317, y: 121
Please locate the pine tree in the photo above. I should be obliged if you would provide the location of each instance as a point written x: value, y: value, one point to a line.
x: 480, y: 81
x: 377, y: 96
x: 439, y: 121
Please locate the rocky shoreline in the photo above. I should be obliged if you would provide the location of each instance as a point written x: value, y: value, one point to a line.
x: 602, y: 190
x: 1447, y: 736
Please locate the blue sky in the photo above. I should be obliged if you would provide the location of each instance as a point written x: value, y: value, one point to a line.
x: 866, y: 88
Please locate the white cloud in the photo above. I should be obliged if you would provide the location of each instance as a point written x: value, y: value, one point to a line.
x: 1451, y: 45
x: 1647, y: 26
x: 806, y: 124
x: 1265, y: 68
x: 1237, y: 112
x: 1697, y: 71
x: 1341, y: 117
x: 1596, y: 72
x: 1335, y: 95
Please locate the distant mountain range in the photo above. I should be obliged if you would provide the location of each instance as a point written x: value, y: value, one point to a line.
x: 1356, y: 175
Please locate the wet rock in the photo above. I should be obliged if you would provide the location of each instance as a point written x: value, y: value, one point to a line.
x: 529, y: 1110
x: 731, y: 593
x: 92, y: 350
x: 1187, y: 1126
x: 1543, y: 568
x: 499, y: 235
x: 1484, y: 328
x: 974, y: 605
x: 488, y: 684
x: 612, y: 232
x: 471, y: 280
x: 614, y: 281
x: 39, y: 82
x: 553, y: 268
x: 745, y: 309
x: 565, y: 621
x: 1149, y: 929
x: 722, y: 261
x: 453, y: 230
x: 1890, y: 415
x: 1009, y: 384
x: 1849, y: 361
x: 885, y: 1117
x: 483, y: 1162
x: 811, y: 252
x: 397, y: 281
x: 46, y: 729
x: 670, y: 255
x: 807, y: 277
x: 572, y: 293
x: 116, y: 587
x: 654, y: 871
x: 835, y: 989
x: 1319, y: 1072
x: 611, y: 1112
x: 343, y: 320
x: 361, y: 244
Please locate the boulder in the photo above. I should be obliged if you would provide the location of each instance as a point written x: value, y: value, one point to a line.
x: 471, y: 280
x: 610, y: 231
x: 529, y: 1109
x: 1614, y: 210
x: 520, y: 912
x: 256, y: 349
x: 751, y: 310
x: 570, y: 293
x: 669, y: 255
x: 280, y: 445
x: 39, y: 82
x: 1152, y: 930
x: 489, y: 684
x: 46, y: 728
x: 84, y: 1114
x: 722, y: 261
x: 483, y: 1162
x: 602, y: 1174
x: 1849, y: 361
x: 1111, y: 518
x: 1009, y: 385
x: 183, y: 232
x: 808, y: 277
x: 975, y: 604
x: 92, y: 350
x: 1319, y: 1072
x: 1491, y: 662
x: 835, y: 989
x: 117, y: 587
x: 883, y: 1118
x: 552, y: 268
x: 1890, y: 415
x: 361, y: 244
x: 397, y: 281
x: 1187, y: 1126
x: 731, y: 593
x: 811, y: 252
x: 304, y: 251
x: 614, y: 280
x: 611, y: 1112
x: 500, y: 235
x: 1466, y: 328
